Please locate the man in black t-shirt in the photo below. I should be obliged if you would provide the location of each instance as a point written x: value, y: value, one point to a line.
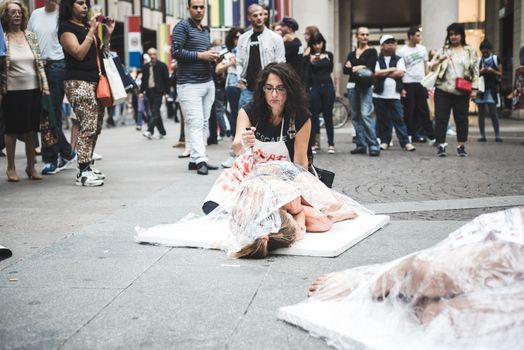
x: 293, y: 46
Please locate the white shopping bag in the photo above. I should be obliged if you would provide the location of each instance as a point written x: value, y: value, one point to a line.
x: 115, y: 82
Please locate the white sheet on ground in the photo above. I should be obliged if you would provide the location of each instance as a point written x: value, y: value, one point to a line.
x: 342, y: 236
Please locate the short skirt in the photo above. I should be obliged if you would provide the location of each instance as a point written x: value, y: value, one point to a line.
x: 21, y: 111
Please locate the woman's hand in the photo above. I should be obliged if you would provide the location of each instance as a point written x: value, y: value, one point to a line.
x: 110, y: 25
x: 93, y: 23
x: 248, y: 137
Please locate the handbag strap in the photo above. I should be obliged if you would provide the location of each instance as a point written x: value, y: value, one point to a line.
x: 97, y: 56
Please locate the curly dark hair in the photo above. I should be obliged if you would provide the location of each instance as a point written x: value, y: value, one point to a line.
x: 459, y: 29
x: 65, y: 11
x: 231, y: 36
x: 316, y: 38
x: 296, y: 102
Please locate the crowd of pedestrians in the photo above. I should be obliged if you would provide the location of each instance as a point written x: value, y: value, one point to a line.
x: 55, y: 52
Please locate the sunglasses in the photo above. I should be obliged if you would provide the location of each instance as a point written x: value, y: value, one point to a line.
x: 281, y: 89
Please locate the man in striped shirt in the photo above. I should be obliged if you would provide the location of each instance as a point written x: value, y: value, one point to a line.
x: 191, y: 47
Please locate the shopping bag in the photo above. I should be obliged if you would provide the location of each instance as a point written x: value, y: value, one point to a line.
x: 482, y: 84
x: 103, y: 92
x: 115, y: 82
x: 127, y: 79
x: 430, y: 79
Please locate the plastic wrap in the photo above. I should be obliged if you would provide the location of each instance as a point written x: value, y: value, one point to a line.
x: 465, y: 292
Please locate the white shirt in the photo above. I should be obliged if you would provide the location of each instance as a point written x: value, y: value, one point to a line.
x: 45, y: 26
x: 414, y: 58
x: 390, y: 85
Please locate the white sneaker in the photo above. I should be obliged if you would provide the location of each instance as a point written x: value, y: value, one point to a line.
x: 409, y: 147
x: 384, y: 146
x: 98, y: 173
x: 96, y: 156
x: 228, y: 163
x: 431, y: 142
x: 331, y: 150
x: 88, y: 178
x: 451, y: 132
x: 147, y: 135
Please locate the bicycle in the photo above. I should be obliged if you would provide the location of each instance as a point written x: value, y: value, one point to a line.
x: 340, y: 113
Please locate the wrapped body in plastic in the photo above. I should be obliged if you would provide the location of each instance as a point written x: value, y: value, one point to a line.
x: 465, y: 292
x: 262, y: 203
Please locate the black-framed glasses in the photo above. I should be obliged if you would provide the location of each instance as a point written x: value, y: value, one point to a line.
x: 281, y: 89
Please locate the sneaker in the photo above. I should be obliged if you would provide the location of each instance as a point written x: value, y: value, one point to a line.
x: 138, y: 128
x: 498, y: 139
x: 331, y: 150
x: 147, y: 135
x: 384, y: 146
x: 228, y: 163
x: 432, y: 142
x: 96, y: 156
x: 49, y: 169
x: 409, y: 147
x: 451, y: 132
x: 100, y: 175
x: 313, y: 150
x: 441, y: 150
x: 88, y: 178
x: 160, y: 137
x: 64, y: 163
x: 461, y: 151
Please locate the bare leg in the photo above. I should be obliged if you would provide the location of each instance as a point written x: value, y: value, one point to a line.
x: 30, y: 142
x: 10, y: 147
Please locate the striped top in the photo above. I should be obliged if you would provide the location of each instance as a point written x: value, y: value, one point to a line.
x: 187, y: 40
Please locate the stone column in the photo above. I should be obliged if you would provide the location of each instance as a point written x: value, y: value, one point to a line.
x: 435, y: 17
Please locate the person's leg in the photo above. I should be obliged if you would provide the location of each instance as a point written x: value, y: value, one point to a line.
x: 396, y: 113
x: 422, y: 119
x: 356, y: 119
x: 460, y: 114
x: 366, y: 109
x: 410, y: 103
x: 492, y: 108
x: 245, y: 97
x: 315, y: 105
x: 220, y: 110
x: 442, y: 114
x: 233, y: 97
x: 328, y: 100
x: 481, y: 121
x: 191, y: 101
x: 382, y: 121
x: 10, y: 147
x: 208, y: 99
x: 155, y: 101
x: 30, y: 138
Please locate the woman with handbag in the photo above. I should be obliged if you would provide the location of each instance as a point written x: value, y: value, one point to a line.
x: 23, y: 83
x: 457, y: 82
x: 490, y: 73
x: 76, y: 33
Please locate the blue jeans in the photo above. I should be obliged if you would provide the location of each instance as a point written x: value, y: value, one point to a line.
x: 55, y: 74
x: 233, y: 98
x: 361, y: 104
x: 322, y: 100
x: 390, y: 113
x: 246, y: 96
x: 196, y: 101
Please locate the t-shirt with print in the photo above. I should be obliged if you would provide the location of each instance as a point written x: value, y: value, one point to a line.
x: 267, y: 132
x: 87, y: 69
x: 414, y: 58
x: 254, y: 65
x: 390, y: 85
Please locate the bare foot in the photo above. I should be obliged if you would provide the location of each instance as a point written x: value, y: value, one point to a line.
x: 332, y: 286
x: 317, y: 284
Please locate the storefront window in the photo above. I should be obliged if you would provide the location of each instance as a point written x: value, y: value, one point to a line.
x: 472, y: 11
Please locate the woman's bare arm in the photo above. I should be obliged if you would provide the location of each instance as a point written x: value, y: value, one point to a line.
x: 302, y: 144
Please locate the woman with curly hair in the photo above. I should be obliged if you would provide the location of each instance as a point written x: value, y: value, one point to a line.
x: 23, y: 83
x: 275, y: 126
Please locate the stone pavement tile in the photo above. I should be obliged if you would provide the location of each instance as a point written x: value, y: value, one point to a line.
x: 83, y: 262
x: 43, y: 318
x: 173, y: 306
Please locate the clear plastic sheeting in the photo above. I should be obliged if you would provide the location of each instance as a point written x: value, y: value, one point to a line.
x: 254, y: 209
x: 467, y: 292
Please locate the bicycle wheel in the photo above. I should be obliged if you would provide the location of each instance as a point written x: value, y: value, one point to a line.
x: 340, y: 113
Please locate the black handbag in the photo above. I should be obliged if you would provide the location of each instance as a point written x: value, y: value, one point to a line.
x: 327, y: 177
x: 127, y: 79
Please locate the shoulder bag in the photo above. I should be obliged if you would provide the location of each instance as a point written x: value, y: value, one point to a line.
x: 461, y: 83
x: 103, y: 91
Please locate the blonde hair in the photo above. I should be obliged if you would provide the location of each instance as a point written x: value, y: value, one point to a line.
x: 3, y: 14
x: 261, y: 247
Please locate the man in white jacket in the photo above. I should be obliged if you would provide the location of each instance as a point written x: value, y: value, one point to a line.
x: 257, y: 47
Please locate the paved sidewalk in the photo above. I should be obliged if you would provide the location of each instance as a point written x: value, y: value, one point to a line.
x: 77, y: 280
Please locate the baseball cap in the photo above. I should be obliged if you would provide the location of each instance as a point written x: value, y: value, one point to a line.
x: 290, y: 22
x: 386, y: 37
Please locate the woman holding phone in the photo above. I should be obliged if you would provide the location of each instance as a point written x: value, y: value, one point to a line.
x: 76, y: 32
